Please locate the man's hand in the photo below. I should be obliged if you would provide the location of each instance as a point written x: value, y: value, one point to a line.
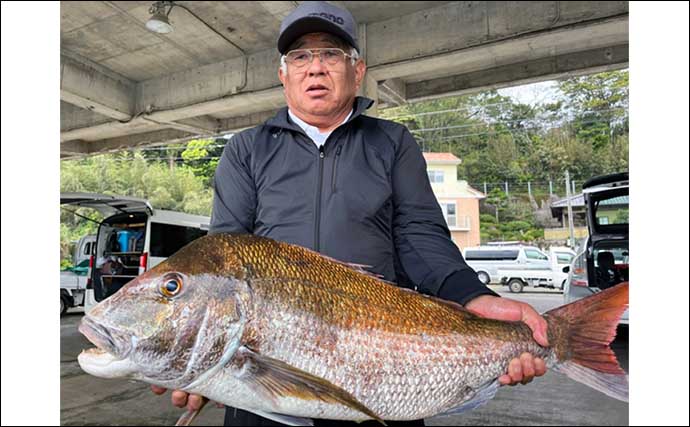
x: 523, y: 369
x: 181, y: 399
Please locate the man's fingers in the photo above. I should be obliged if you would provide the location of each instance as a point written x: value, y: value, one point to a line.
x: 536, y: 323
x: 194, y: 402
x: 179, y: 398
x: 527, y: 362
x: 158, y: 390
x: 505, y: 380
x: 515, y: 370
x: 539, y: 367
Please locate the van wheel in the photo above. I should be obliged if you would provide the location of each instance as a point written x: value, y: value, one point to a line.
x: 515, y: 286
x: 63, y: 306
x: 484, y: 277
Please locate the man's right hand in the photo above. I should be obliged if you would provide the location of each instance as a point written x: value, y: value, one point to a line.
x: 181, y: 399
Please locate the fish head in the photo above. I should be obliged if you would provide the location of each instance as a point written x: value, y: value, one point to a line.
x: 170, y: 325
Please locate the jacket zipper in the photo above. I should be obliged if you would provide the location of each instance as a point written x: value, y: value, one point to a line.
x: 335, y: 167
x: 317, y: 216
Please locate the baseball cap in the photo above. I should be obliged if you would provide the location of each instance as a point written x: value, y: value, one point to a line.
x: 317, y: 17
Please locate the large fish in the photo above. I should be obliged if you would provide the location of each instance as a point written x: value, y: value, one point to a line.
x: 288, y: 334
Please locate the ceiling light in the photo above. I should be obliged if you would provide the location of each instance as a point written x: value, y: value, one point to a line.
x: 159, y: 23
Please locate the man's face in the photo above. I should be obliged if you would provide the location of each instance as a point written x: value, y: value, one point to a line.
x: 319, y: 90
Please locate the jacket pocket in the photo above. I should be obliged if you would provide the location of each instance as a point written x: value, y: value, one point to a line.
x: 335, y: 168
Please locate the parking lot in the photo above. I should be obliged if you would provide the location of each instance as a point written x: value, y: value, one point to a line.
x: 549, y: 400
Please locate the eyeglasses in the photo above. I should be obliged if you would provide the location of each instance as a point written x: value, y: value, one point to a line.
x: 300, y: 58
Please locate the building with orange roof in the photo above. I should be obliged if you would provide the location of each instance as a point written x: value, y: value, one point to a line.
x: 459, y: 202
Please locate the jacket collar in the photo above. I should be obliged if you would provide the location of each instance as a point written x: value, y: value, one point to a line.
x: 281, y: 120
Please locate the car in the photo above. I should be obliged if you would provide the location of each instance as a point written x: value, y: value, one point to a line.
x: 487, y: 260
x: 133, y: 238
x: 602, y: 257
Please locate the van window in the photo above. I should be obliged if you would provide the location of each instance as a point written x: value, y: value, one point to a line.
x: 492, y: 255
x: 563, y: 258
x: 87, y: 249
x: 166, y: 239
x: 533, y: 254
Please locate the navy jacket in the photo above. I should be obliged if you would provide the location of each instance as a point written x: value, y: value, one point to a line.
x: 364, y: 197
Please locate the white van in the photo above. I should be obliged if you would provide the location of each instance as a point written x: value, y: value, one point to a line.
x: 132, y: 238
x: 487, y: 260
x: 73, y: 279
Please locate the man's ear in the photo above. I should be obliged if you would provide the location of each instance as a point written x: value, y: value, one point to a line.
x: 360, y: 71
x: 282, y: 76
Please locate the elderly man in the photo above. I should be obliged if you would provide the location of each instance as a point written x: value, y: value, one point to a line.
x: 322, y: 175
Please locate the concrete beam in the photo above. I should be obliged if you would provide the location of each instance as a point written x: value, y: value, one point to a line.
x: 167, y: 136
x: 92, y: 90
x: 236, y: 124
x: 196, y: 125
x: 454, y: 39
x: 460, y: 25
x: 556, y: 67
x: 393, y: 92
x: 532, y: 46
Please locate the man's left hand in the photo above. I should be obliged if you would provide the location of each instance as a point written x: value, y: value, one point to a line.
x: 526, y: 367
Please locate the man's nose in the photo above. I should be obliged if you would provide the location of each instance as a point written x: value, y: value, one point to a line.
x: 316, y: 67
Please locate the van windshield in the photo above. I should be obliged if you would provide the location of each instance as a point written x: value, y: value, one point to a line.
x: 492, y: 255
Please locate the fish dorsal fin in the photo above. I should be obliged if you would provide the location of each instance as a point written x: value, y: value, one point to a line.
x: 482, y: 395
x: 274, y: 378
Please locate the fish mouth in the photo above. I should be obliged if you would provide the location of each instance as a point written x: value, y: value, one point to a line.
x: 104, y: 360
x: 99, y: 336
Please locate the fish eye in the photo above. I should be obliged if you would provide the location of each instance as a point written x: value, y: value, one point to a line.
x: 171, y: 287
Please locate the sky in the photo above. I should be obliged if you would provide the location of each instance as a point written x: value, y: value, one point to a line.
x: 533, y: 93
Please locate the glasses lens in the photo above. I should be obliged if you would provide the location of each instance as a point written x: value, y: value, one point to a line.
x: 299, y: 58
x: 332, y: 56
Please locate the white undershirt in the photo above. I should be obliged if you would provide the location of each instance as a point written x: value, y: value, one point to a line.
x: 312, y: 131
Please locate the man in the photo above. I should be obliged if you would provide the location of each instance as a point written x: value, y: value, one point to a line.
x: 321, y: 175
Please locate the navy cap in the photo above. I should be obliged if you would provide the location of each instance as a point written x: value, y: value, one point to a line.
x: 317, y: 17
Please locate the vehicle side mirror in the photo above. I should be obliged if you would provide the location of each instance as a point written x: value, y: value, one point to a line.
x: 566, y: 269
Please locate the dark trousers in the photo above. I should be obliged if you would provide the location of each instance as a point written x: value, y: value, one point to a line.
x: 238, y: 417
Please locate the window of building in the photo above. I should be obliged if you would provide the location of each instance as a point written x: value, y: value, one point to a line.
x: 435, y: 176
x: 449, y: 213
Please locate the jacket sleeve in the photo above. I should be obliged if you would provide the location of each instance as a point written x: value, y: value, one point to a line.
x: 234, y: 192
x: 426, y: 253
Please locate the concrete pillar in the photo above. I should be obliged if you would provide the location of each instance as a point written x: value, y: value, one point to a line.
x: 369, y: 86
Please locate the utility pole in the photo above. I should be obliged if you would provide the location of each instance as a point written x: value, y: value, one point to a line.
x: 570, y: 209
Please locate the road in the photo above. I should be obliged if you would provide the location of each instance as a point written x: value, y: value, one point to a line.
x: 550, y: 400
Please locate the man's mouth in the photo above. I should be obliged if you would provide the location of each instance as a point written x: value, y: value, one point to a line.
x: 317, y: 90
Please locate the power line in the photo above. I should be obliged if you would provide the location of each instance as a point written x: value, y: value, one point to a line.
x: 508, y: 121
x: 500, y: 131
x: 472, y: 107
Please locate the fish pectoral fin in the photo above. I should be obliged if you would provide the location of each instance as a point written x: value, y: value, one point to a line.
x: 482, y: 395
x: 275, y: 378
x: 187, y: 418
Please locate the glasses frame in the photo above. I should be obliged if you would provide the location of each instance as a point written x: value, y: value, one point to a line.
x: 312, y: 54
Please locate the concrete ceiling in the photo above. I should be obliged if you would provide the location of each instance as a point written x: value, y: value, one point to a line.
x: 123, y: 86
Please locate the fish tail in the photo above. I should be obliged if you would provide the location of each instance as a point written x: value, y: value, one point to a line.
x: 580, y: 334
